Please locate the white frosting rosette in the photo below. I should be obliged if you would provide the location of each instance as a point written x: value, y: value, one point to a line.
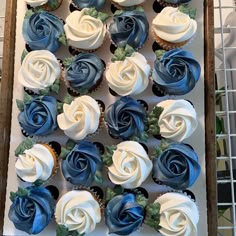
x: 174, y: 26
x: 80, y: 118
x: 179, y: 215
x: 78, y: 211
x: 131, y: 165
x: 129, y: 77
x: 39, y: 70
x: 128, y: 3
x: 84, y: 31
x: 34, y: 164
x: 36, y: 3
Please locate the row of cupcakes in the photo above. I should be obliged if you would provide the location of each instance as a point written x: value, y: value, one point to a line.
x: 79, y: 211
x: 85, y: 30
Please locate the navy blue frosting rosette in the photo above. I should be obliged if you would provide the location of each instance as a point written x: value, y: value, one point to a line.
x: 176, y: 72
x: 80, y: 4
x: 43, y: 30
x: 129, y: 27
x: 32, y: 209
x: 176, y: 165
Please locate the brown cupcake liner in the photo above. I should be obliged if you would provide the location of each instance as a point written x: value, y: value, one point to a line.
x: 46, y: 6
x: 167, y: 4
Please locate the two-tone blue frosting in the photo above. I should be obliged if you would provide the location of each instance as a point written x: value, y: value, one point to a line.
x: 123, y: 215
x: 98, y: 4
x: 32, y: 211
x: 129, y: 27
x: 177, y: 166
x: 177, y: 72
x: 43, y: 30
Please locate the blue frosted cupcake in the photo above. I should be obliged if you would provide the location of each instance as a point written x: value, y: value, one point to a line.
x: 32, y: 209
x: 43, y: 31
x: 80, y: 4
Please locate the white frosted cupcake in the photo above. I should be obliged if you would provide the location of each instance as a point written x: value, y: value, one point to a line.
x: 47, y: 5
x: 124, y: 4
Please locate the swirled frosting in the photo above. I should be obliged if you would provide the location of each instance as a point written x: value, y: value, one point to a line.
x: 179, y: 215
x: 128, y: 3
x: 42, y: 30
x: 85, y: 71
x: 129, y: 77
x: 131, y: 165
x: 126, y: 118
x: 84, y: 31
x: 35, y: 164
x: 177, y: 72
x: 98, y: 4
x: 33, y: 212
x: 178, y: 119
x: 129, y: 27
x: 78, y: 211
x: 123, y: 215
x: 39, y: 70
x: 173, y: 26
x: 39, y: 116
x: 80, y: 118
x: 177, y: 166
x: 36, y: 3
x: 81, y: 164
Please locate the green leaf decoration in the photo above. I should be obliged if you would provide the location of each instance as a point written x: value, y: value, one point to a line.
x: 39, y: 182
x: 29, y: 13
x: 219, y: 125
x: 56, y: 86
x: 153, y: 215
x: 64, y: 153
x: 121, y: 53
x: 141, y: 200
x: 68, y: 61
x: 159, y: 53
x: 184, y: 8
x: 144, y: 137
x: 63, y: 231
x: 70, y: 144
x: 68, y: 99
x: 98, y: 177
x: 23, y: 55
x: 20, y: 104
x: 59, y: 107
x: 103, y: 16
x: 27, y: 98
x: 53, y: 3
x: 107, y: 156
x: 25, y: 145
x: 118, y: 12
x: 62, y: 39
x: 153, y: 119
x: 159, y: 149
x: 98, y: 15
x: 112, y: 192
x: 21, y: 192
x: 139, y: 9
x: 44, y: 92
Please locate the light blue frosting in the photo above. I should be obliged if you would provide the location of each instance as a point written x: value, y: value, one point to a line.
x: 98, y: 4
x: 42, y: 30
x: 177, y: 72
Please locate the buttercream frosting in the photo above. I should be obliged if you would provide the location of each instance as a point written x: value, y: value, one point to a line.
x: 131, y: 165
x: 36, y: 3
x: 128, y: 3
x: 98, y: 4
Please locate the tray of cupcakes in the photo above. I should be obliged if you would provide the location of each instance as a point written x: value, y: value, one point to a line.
x: 108, y: 133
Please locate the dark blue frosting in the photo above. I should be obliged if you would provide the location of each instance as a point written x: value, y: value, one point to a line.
x: 129, y: 27
x: 123, y: 215
x: 81, y: 164
x: 42, y: 31
x: 177, y: 166
x: 177, y: 72
x: 39, y: 116
x: 126, y: 118
x: 98, y: 4
x: 85, y: 71
x: 32, y: 213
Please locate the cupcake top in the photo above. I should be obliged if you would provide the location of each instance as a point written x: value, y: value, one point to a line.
x: 36, y: 3
x: 129, y: 27
x: 83, y: 71
x: 176, y: 165
x: 42, y: 30
x: 176, y: 72
x: 85, y: 29
x: 173, y: 119
x: 98, y: 4
x: 130, y: 165
x: 80, y: 118
x: 78, y: 211
x: 81, y: 164
x: 128, y: 3
x: 32, y: 209
x: 179, y: 215
x: 39, y: 70
x: 174, y: 26
x: 129, y: 73
x: 38, y: 115
x: 126, y: 119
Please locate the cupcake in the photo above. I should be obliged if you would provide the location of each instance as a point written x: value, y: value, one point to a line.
x: 178, y: 215
x: 36, y: 162
x: 81, y: 117
x: 176, y: 165
x: 128, y: 164
x: 172, y: 3
x: 81, y: 164
x: 129, y: 27
x: 127, y: 4
x: 40, y: 72
x: 85, y: 30
x: 80, y: 4
x: 32, y: 209
x: 174, y: 27
x: 77, y: 213
x: 83, y: 72
x: 43, y: 31
x: 38, y: 115
x: 173, y: 119
x: 127, y: 119
x: 175, y: 72
x: 47, y: 5
x: 129, y: 72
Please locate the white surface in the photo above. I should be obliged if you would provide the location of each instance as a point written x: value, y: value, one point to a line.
x: 197, y: 140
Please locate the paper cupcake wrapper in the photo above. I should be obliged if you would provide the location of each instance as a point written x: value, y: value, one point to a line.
x: 167, y: 4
